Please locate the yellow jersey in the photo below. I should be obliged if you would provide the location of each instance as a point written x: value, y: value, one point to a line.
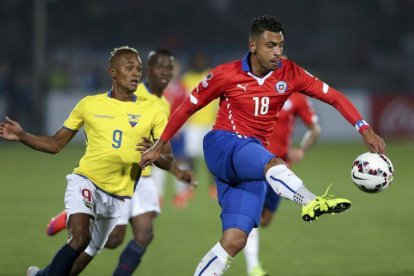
x: 143, y: 92
x: 112, y: 129
x: 207, y: 115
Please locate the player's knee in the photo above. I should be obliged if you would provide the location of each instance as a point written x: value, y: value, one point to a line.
x: 234, y: 241
x: 80, y: 241
x: 234, y: 245
x: 114, y: 241
x: 144, y: 236
x: 239, y: 243
x: 79, y: 231
x: 116, y: 237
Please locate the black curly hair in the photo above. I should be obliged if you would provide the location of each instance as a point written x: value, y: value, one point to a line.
x: 266, y: 23
x: 163, y: 52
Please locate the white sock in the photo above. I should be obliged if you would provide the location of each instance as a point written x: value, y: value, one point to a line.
x: 286, y: 184
x: 215, y: 262
x: 251, y: 250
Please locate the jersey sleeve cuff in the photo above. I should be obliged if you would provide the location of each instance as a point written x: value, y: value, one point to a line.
x: 361, y: 125
x: 164, y: 139
x: 70, y: 129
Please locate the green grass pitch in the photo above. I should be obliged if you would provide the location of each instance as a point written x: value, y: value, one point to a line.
x: 374, y: 238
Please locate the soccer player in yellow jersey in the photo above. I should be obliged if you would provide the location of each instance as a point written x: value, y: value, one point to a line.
x: 143, y: 207
x: 115, y: 122
x: 161, y: 68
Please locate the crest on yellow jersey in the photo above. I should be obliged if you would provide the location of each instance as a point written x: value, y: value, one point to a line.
x: 133, y: 119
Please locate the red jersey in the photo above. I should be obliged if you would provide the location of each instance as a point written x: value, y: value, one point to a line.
x: 249, y: 105
x: 297, y: 105
x: 175, y: 93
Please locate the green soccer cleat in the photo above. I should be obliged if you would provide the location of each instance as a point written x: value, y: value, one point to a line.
x: 324, y: 204
x: 258, y: 271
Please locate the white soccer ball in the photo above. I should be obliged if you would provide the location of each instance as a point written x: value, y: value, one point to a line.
x: 372, y: 172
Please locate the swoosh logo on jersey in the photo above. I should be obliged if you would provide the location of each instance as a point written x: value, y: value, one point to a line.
x: 242, y: 87
x: 356, y: 177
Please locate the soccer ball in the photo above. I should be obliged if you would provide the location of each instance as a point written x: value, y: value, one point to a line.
x: 372, y: 172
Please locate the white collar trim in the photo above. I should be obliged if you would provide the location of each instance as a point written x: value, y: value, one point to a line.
x: 260, y: 81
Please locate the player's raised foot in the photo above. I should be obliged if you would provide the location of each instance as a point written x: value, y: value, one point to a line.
x: 32, y: 271
x: 56, y: 224
x: 324, y: 204
x: 258, y: 271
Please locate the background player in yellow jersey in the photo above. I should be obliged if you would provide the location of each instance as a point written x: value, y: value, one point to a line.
x: 175, y: 93
x: 114, y: 123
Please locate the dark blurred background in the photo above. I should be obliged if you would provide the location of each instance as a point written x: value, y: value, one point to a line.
x: 56, y: 46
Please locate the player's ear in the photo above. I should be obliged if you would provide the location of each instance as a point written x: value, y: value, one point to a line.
x: 112, y: 72
x: 252, y: 46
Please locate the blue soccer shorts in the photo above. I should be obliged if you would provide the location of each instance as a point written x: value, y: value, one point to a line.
x: 238, y: 164
x: 272, y: 200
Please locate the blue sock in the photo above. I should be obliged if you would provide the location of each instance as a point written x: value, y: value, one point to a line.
x: 43, y: 272
x: 129, y: 259
x: 61, y: 263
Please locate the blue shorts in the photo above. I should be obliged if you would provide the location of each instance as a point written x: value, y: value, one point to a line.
x: 271, y: 200
x: 238, y: 166
x: 177, y: 145
x: 241, y: 204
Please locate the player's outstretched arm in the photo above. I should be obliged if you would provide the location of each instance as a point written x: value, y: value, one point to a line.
x: 373, y: 141
x: 150, y: 155
x: 352, y: 115
x: 166, y: 162
x: 312, y: 86
x: 165, y: 159
x: 12, y: 131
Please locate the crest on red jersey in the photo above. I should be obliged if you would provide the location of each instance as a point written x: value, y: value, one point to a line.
x: 281, y: 87
x: 204, y: 81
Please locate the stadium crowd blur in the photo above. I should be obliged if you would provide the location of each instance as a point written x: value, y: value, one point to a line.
x: 362, y: 43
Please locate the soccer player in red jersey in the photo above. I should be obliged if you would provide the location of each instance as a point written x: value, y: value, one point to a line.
x: 297, y: 106
x: 252, y: 91
x: 280, y: 142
